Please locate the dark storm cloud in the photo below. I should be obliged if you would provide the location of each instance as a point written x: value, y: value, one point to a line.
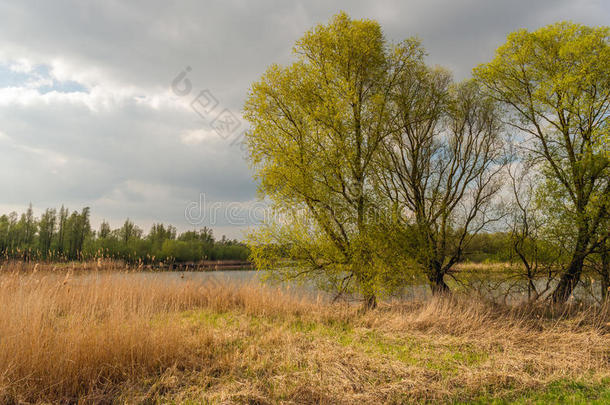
x: 86, y: 115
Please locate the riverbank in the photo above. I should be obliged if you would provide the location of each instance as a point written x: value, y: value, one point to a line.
x: 132, y: 339
x: 119, y: 265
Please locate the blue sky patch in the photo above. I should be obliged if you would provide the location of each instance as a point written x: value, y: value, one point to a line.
x: 11, y: 78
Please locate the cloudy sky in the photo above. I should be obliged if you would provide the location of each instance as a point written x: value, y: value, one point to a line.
x: 92, y: 111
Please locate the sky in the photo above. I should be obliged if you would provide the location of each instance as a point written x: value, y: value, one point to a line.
x: 134, y: 108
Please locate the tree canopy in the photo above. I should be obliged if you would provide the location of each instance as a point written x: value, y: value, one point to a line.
x: 555, y: 82
x: 330, y: 146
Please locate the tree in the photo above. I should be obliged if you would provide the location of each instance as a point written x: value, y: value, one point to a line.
x: 556, y: 84
x: 28, y: 222
x: 605, y: 271
x: 159, y: 234
x: 316, y: 127
x: 129, y: 231
x: 12, y: 232
x: 104, y: 230
x: 61, y: 229
x: 46, y: 231
x: 440, y: 168
x: 77, y: 228
x: 541, y: 252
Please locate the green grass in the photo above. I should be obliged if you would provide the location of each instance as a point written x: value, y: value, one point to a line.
x: 557, y: 392
x: 448, y: 356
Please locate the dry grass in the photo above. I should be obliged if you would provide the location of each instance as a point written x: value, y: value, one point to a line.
x: 124, y: 337
x: 499, y: 267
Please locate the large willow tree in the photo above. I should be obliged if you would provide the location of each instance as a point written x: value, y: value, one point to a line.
x: 556, y: 83
x: 317, y: 126
x: 440, y: 169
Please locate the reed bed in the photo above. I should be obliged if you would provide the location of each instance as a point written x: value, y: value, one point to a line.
x: 115, y: 337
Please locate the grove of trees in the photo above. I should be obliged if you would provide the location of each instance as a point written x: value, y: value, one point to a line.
x: 61, y: 235
x: 383, y: 167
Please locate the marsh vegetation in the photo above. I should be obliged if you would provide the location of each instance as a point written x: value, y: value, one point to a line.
x: 109, y: 336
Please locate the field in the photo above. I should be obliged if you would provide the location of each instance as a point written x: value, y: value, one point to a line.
x: 73, y: 334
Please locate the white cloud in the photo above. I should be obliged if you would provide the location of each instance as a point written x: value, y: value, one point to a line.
x: 197, y: 136
x: 21, y: 66
x: 95, y: 123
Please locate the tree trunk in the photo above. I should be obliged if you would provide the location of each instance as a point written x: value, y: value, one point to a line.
x: 437, y: 282
x: 370, y: 302
x: 605, y: 274
x: 569, y: 279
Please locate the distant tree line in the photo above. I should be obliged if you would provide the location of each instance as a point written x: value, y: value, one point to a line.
x: 64, y: 235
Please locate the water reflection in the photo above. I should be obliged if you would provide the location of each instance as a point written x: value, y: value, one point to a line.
x: 496, y: 289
